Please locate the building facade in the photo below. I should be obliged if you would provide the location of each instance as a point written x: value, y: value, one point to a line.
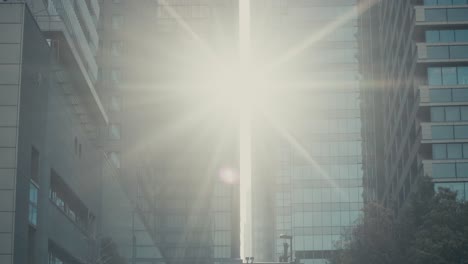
x: 56, y: 181
x: 307, y: 157
x: 418, y: 81
x: 161, y: 133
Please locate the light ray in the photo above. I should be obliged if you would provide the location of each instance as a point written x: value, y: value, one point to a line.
x: 301, y: 150
x: 324, y: 32
x: 173, y: 13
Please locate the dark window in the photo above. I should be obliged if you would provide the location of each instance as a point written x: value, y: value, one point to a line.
x: 68, y: 202
x: 76, y: 145
x: 34, y: 165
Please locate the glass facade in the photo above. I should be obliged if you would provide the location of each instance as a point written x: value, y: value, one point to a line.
x: 316, y: 163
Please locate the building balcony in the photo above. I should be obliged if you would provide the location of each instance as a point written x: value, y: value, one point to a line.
x: 71, y: 29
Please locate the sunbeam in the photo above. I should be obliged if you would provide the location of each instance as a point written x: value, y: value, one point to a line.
x: 296, y: 50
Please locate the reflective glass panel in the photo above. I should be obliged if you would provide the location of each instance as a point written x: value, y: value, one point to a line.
x: 437, y: 114
x: 442, y: 132
x: 461, y: 35
x: 464, y: 113
x: 438, y: 52
x: 447, y: 36
x: 461, y: 131
x: 449, y: 75
x: 452, y: 113
x: 460, y: 95
x: 439, y: 151
x: 443, y: 170
x: 458, y: 14
x: 432, y: 36
x: 454, y: 151
x: 434, y: 76
x: 440, y: 95
x: 465, y: 150
x: 459, y: 52
x: 462, y: 170
x: 436, y: 15
x: 462, y: 75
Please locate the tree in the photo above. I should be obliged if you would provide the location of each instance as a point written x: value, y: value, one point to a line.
x: 433, y: 229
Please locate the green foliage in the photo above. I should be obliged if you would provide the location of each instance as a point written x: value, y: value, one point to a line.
x: 433, y: 229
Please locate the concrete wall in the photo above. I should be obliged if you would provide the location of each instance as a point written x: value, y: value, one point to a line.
x: 11, y: 39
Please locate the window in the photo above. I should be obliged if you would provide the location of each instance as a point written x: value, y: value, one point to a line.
x: 442, y: 132
x: 443, y: 170
x: 114, y: 131
x: 116, y: 48
x: 440, y: 95
x: 437, y: 36
x: 447, y: 36
x: 452, y: 113
x: 66, y: 201
x: 436, y: 14
x: 33, y: 190
x: 449, y: 75
x: 34, y: 165
x: 438, y: 52
x: 76, y: 145
x: 115, y: 158
x: 437, y: 114
x: 462, y: 170
x: 434, y: 75
x: 457, y: 14
x: 459, y: 52
x: 462, y: 73
x: 464, y: 113
x: 115, y: 75
x: 115, y: 104
x: 454, y: 151
x: 117, y: 21
x: 460, y: 95
x: 439, y: 151
x: 461, y: 132
x: 461, y: 35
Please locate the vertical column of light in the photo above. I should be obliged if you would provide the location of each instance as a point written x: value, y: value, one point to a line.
x: 245, y: 147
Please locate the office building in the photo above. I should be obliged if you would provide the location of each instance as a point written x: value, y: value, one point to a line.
x: 413, y: 58
x: 62, y: 197
x: 160, y: 132
x: 307, y: 157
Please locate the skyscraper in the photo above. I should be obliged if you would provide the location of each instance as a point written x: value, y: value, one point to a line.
x: 61, y: 195
x: 183, y: 152
x: 415, y: 78
x: 307, y: 157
